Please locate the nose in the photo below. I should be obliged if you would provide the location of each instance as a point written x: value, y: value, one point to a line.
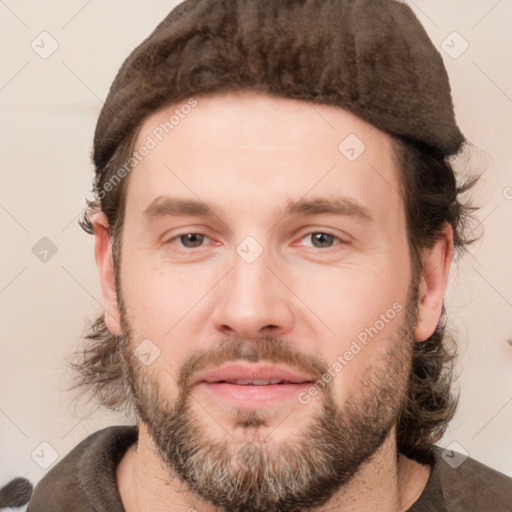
x: 252, y: 301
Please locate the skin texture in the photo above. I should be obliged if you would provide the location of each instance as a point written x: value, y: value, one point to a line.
x: 247, y: 156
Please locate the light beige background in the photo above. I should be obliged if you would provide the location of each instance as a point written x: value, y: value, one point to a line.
x: 49, y: 109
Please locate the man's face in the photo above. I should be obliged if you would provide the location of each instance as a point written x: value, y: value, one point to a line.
x: 324, y: 293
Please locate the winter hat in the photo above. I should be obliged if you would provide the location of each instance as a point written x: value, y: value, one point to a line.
x: 370, y: 57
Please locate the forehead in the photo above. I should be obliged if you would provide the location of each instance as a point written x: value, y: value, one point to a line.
x: 246, y: 149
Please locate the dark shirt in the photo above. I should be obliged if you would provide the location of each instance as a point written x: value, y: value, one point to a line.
x: 85, y: 481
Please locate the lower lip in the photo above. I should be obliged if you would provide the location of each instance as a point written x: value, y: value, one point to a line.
x: 251, y: 395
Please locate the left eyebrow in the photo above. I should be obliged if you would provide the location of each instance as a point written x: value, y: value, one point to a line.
x: 342, y: 206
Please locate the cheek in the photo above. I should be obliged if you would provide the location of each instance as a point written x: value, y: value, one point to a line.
x: 167, y: 305
x: 365, y: 321
x: 352, y: 297
x: 157, y: 301
x: 358, y: 311
x: 157, y: 306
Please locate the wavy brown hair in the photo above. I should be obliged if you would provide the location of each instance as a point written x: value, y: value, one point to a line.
x: 431, y: 196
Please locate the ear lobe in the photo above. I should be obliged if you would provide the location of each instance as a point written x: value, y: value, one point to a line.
x: 434, y: 279
x: 105, y: 265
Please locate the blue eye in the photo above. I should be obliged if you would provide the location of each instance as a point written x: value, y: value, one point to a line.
x: 190, y: 240
x: 321, y: 240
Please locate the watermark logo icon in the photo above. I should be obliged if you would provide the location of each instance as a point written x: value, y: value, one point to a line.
x: 249, y: 249
x: 44, y: 45
x: 44, y: 250
x: 44, y: 455
x: 454, y: 45
x: 351, y: 147
x: 454, y: 454
x: 248, y: 455
x: 147, y: 352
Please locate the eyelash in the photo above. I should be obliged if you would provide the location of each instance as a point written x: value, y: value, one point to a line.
x: 324, y: 249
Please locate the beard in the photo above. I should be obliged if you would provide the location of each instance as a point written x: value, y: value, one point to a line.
x: 255, y: 475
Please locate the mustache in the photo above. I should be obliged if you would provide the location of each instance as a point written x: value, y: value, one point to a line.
x: 268, y: 349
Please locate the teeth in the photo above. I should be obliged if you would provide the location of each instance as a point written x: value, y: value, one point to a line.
x: 256, y: 382
x: 259, y: 382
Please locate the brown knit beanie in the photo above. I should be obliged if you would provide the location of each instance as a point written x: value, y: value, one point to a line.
x: 370, y: 57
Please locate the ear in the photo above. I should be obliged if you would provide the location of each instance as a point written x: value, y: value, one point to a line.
x: 105, y: 265
x: 434, y: 278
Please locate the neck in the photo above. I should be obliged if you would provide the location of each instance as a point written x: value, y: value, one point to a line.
x: 386, y: 482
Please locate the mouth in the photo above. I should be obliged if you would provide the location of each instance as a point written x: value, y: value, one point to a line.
x: 248, y: 386
x: 256, y: 382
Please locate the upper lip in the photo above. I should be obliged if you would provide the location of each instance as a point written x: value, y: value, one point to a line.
x: 252, y: 372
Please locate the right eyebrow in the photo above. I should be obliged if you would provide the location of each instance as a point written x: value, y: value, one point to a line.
x: 164, y: 206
